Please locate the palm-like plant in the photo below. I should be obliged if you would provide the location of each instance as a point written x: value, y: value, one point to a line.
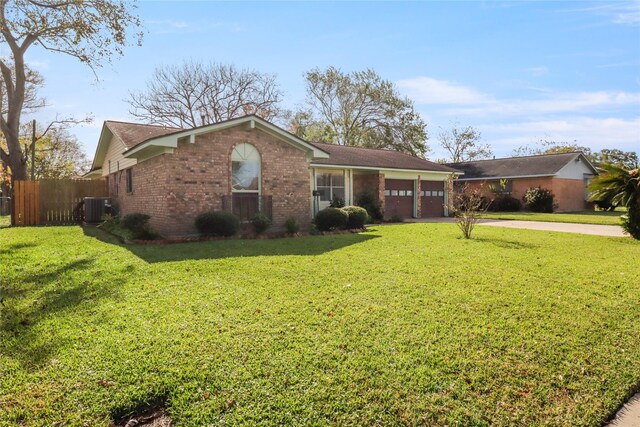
x: 621, y: 187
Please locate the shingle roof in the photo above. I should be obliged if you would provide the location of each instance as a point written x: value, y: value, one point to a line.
x: 341, y: 155
x: 542, y: 165
x: 132, y: 134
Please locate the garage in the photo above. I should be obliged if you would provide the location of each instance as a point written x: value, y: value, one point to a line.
x: 431, y: 199
x: 398, y: 198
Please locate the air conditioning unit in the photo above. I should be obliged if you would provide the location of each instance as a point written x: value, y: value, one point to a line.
x: 94, y: 208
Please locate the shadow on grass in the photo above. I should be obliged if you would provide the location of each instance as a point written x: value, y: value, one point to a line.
x: 506, y: 244
x: 218, y: 249
x: 31, y: 298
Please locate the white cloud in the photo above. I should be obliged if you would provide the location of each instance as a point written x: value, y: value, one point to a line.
x: 427, y: 90
x: 463, y: 100
x: 592, y: 132
x: 624, y: 13
x: 555, y: 103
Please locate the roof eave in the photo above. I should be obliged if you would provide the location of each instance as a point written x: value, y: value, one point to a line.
x: 171, y: 140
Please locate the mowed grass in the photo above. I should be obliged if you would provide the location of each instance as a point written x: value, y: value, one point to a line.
x: 5, y: 221
x: 580, y: 217
x: 401, y: 325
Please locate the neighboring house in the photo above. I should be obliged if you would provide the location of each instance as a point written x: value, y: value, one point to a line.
x: 248, y: 165
x: 566, y: 175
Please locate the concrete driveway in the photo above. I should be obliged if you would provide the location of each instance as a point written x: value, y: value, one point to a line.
x: 562, y: 227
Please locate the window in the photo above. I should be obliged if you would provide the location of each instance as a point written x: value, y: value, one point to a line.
x: 387, y: 192
x: 440, y: 193
x: 394, y: 192
x: 330, y: 185
x: 426, y: 193
x: 410, y: 193
x: 129, y: 175
x: 245, y: 169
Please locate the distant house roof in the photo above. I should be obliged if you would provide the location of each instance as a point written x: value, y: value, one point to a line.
x: 341, y: 155
x: 132, y: 134
x: 513, y: 167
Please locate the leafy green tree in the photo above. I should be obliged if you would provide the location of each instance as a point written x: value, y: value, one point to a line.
x: 622, y: 187
x: 88, y: 30
x: 359, y: 109
x: 463, y: 144
x: 623, y: 159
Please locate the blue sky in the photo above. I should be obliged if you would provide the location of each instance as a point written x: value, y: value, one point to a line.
x: 518, y: 72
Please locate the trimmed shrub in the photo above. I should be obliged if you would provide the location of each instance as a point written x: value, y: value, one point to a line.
x: 538, y: 199
x: 358, y: 216
x: 217, y: 224
x: 504, y: 203
x: 260, y: 223
x: 109, y: 222
x: 369, y: 201
x: 138, y: 225
x: 331, y: 219
x: 292, y: 225
x: 337, y: 202
x: 396, y: 218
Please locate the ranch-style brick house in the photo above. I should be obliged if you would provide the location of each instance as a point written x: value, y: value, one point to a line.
x: 566, y: 175
x: 249, y: 165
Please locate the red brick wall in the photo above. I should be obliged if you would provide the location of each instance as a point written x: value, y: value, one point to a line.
x: 369, y: 182
x: 175, y: 188
x: 569, y: 193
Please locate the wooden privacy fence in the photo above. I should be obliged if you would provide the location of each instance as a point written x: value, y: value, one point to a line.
x: 53, y: 201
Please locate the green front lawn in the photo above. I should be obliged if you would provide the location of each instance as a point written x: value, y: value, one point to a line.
x: 402, y: 325
x: 580, y: 217
x: 5, y: 221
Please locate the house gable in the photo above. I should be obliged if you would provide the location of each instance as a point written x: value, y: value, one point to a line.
x: 577, y: 168
x: 166, y: 144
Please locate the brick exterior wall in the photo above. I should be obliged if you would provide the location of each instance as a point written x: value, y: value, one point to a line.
x: 174, y: 188
x: 373, y: 182
x: 569, y: 193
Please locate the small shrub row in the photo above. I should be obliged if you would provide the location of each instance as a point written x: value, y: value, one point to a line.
x: 133, y: 226
x: 504, y: 203
x: 226, y: 224
x: 538, y: 199
x: 369, y: 201
x: 349, y: 217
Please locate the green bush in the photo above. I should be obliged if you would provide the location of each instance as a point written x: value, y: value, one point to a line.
x: 292, y: 225
x: 138, y: 225
x: 369, y: 201
x: 358, y: 216
x: 217, y: 224
x: 504, y: 203
x: 396, y: 218
x: 331, y: 219
x: 109, y: 222
x: 260, y: 223
x: 538, y: 199
x: 337, y: 202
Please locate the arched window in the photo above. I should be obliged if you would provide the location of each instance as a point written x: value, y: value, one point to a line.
x: 245, y: 169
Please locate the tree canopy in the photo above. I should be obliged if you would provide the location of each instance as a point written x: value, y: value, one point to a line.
x: 91, y: 31
x: 359, y: 109
x: 463, y: 144
x: 195, y: 94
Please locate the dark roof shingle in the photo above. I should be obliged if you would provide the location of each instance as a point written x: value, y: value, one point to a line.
x: 132, y: 134
x: 543, y: 165
x: 341, y: 155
